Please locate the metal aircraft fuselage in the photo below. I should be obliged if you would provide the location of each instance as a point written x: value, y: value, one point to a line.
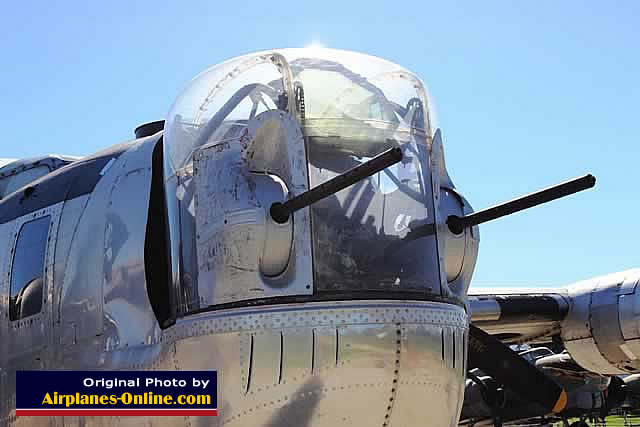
x: 160, y: 253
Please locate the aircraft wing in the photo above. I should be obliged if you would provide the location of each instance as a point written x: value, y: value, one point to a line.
x: 597, y: 320
x: 519, y: 316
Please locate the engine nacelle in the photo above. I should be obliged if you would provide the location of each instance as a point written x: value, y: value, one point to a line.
x: 602, y: 329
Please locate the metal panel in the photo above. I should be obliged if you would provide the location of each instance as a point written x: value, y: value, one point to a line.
x: 605, y: 327
x: 586, y: 353
x: 422, y: 355
x: 129, y: 318
x: 325, y: 348
x: 70, y: 216
x: 436, y: 164
x: 299, y: 348
x: 265, y: 361
x: 6, y: 251
x: 374, y: 371
x: 629, y: 315
x: 600, y: 321
x: 4, y: 387
x: 484, y: 309
x: 577, y: 323
x: 631, y: 348
x: 462, y: 248
x: 232, y: 216
x: 81, y: 323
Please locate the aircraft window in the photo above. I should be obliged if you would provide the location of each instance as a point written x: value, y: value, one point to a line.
x: 27, y: 269
x: 333, y: 90
x: 360, y: 233
x: 329, y: 94
x: 218, y: 104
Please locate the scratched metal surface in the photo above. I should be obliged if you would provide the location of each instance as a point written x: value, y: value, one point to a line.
x: 354, y: 363
x: 232, y: 213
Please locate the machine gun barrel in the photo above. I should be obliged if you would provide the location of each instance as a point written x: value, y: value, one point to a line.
x: 280, y: 212
x: 457, y: 224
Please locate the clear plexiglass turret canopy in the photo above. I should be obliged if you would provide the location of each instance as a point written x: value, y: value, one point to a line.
x: 341, y: 90
x: 350, y: 107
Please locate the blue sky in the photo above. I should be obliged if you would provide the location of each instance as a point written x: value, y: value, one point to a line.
x: 527, y: 94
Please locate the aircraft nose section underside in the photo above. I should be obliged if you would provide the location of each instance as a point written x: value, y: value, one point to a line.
x: 365, y: 363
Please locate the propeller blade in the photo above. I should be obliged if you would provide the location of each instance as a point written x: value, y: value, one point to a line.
x: 497, y: 360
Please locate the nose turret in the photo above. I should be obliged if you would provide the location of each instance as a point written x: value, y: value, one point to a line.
x: 303, y: 118
x: 331, y: 290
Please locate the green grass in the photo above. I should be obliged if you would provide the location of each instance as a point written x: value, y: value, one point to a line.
x: 613, y: 421
x: 618, y: 421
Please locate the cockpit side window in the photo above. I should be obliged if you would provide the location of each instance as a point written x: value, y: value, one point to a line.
x: 27, y: 270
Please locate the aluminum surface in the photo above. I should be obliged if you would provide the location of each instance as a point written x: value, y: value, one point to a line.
x: 236, y: 238
x: 600, y: 330
x: 361, y: 363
